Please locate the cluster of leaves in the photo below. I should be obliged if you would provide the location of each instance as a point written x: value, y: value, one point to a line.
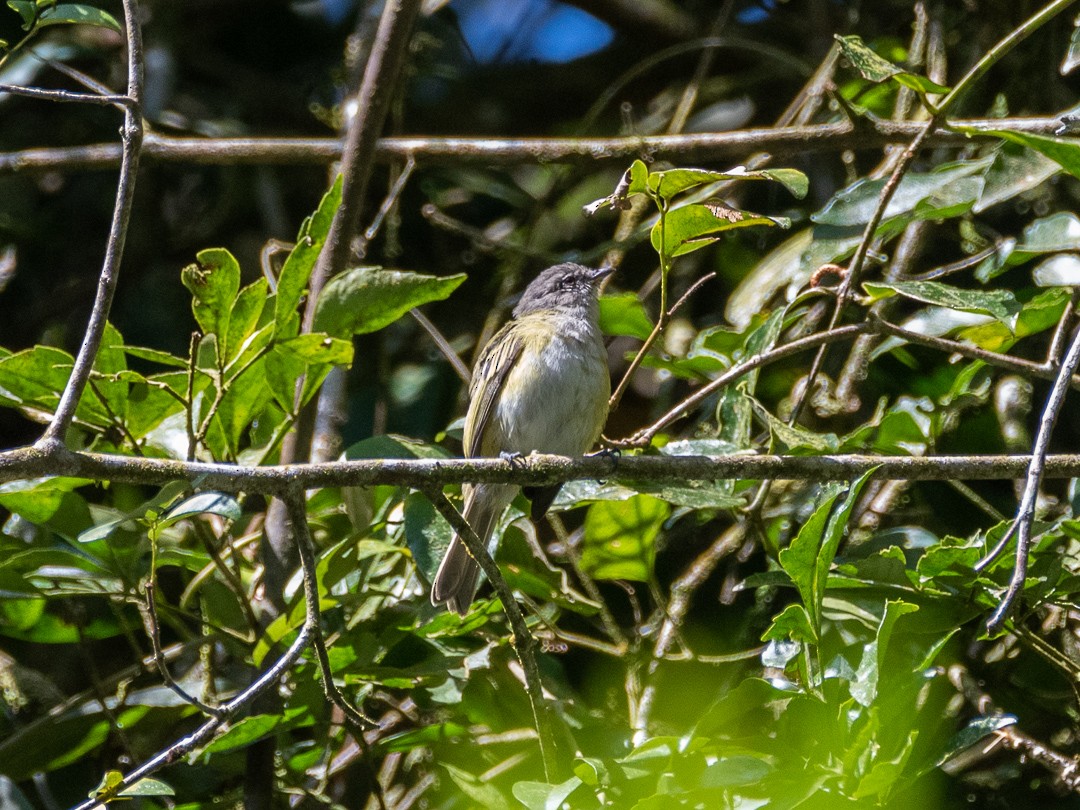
x: 708, y: 644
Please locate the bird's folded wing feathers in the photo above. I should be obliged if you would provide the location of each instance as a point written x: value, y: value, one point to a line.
x: 491, y: 370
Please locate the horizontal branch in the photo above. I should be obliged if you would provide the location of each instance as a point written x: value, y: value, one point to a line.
x: 696, y: 148
x: 34, y: 462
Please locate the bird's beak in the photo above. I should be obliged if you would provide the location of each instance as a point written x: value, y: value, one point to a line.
x: 600, y: 273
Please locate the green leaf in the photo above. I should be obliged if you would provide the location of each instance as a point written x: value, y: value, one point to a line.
x: 482, y: 793
x: 620, y: 538
x: 155, y: 356
x: 855, y: 205
x: 808, y: 559
x: 245, y: 317
x: 366, y: 299
x: 542, y: 796
x: 1000, y: 304
x: 1063, y: 151
x: 204, y: 503
x: 690, y: 227
x: 26, y: 9
x: 214, y: 282
x: 78, y: 14
x: 317, y: 348
x: 864, y: 688
x: 624, y: 315
x: 301, y: 261
x: 877, y: 69
x: 34, y: 378
x: 37, y: 499
x: 796, y: 439
x: 668, y: 184
x: 792, y: 623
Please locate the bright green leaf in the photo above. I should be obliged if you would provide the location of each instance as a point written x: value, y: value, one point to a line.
x: 624, y: 314
x: 365, y: 299
x: 620, y: 538
x: 214, y: 281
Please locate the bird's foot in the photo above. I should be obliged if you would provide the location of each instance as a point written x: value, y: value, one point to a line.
x: 515, y: 459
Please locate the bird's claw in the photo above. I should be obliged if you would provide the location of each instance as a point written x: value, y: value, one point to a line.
x: 514, y: 459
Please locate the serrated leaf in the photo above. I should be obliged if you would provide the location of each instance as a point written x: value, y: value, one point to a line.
x: 808, y: 559
x: 366, y: 299
x: 214, y: 281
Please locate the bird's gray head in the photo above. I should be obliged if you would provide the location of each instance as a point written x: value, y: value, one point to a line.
x: 562, y: 286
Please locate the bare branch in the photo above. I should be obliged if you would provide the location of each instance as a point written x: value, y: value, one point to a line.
x: 294, y: 502
x: 522, y: 639
x: 461, y: 151
x: 131, y: 138
x: 1025, y: 512
x: 536, y: 470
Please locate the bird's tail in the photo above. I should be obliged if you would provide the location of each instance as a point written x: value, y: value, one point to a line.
x: 456, y: 581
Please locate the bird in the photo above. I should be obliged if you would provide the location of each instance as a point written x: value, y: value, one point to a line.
x: 540, y: 385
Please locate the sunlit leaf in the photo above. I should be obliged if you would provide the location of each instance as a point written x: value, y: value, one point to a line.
x: 620, y: 538
x: 78, y: 14
x: 365, y: 299
x: 301, y: 261
x: 214, y: 281
x: 874, y: 68
x: 1000, y: 304
x: 624, y: 315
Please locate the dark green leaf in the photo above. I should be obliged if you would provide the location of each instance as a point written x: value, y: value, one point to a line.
x: 1063, y: 151
x: 365, y: 299
x: 865, y: 686
x: 876, y: 69
x: 78, y: 14
x: 1000, y: 304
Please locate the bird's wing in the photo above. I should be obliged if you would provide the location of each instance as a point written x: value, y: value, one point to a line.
x: 494, y: 364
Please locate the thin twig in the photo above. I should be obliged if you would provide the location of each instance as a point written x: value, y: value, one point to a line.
x: 206, y: 731
x: 131, y: 138
x: 523, y: 642
x: 150, y: 619
x: 1025, y: 512
x: 297, y: 508
x: 1065, y: 768
x: 447, y: 350
x: 111, y: 100
x: 645, y: 435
